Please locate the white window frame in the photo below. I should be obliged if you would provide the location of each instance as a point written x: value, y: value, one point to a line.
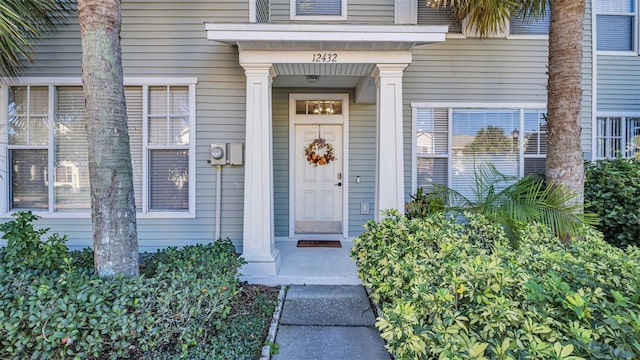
x: 294, y: 16
x: 635, y: 33
x: 521, y: 107
x: 623, y: 133
x: 143, y: 83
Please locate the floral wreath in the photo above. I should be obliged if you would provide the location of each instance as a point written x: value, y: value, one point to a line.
x: 319, y: 152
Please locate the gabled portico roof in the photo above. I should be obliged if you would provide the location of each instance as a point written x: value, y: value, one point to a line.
x: 334, y: 37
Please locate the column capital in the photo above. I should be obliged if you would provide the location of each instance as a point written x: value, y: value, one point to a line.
x: 259, y: 69
x: 388, y: 70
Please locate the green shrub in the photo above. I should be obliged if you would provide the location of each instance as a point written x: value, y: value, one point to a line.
x: 460, y: 291
x: 25, y: 249
x: 184, y: 299
x: 423, y: 203
x: 612, y: 190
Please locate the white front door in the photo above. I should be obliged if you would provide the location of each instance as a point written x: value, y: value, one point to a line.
x: 318, y: 184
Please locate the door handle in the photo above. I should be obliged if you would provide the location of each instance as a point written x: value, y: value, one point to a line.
x: 338, y: 184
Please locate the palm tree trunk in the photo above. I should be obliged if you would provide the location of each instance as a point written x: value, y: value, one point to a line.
x: 113, y: 210
x: 565, y: 165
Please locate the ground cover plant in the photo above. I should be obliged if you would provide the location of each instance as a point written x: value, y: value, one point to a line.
x: 612, y: 190
x: 450, y: 290
x: 188, y: 303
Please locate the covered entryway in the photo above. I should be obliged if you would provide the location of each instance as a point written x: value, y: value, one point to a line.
x: 318, y: 195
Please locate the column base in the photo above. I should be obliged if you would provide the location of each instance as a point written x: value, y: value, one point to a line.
x: 262, y: 265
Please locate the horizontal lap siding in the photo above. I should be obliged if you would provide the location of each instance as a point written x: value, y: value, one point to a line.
x: 167, y: 39
x: 358, y: 11
x: 362, y: 163
x: 281, y: 161
x: 618, y: 83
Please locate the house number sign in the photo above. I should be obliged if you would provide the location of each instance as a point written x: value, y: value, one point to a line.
x: 325, y: 57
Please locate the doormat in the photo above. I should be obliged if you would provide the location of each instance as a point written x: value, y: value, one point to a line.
x: 319, y: 243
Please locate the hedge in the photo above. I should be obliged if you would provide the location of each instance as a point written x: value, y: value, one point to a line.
x: 460, y: 291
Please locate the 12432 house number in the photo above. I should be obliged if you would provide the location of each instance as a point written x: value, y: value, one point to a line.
x: 325, y: 57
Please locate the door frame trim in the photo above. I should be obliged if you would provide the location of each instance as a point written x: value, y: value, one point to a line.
x: 345, y: 161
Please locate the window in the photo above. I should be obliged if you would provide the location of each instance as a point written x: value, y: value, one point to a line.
x: 318, y: 9
x: 452, y: 143
x: 429, y: 15
x: 617, y: 136
x: 616, y: 25
x: 47, y: 130
x: 528, y: 26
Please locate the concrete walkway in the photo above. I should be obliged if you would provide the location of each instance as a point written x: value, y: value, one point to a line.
x: 331, y: 322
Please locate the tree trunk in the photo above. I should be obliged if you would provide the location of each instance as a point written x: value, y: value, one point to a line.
x: 565, y: 162
x: 113, y: 210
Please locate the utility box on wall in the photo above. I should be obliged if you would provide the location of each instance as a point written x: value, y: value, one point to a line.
x: 227, y: 154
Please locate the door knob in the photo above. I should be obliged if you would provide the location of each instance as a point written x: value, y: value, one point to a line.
x: 339, y: 184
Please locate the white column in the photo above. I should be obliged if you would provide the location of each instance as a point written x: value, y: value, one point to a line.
x: 390, y: 152
x: 258, y: 247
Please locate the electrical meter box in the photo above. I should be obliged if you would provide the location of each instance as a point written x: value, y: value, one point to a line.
x: 227, y: 154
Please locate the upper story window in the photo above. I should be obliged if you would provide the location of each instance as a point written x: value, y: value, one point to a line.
x: 46, y: 148
x: 318, y: 9
x: 428, y: 15
x: 528, y: 26
x: 616, y: 25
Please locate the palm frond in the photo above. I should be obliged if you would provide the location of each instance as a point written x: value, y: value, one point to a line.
x: 22, y: 24
x: 490, y: 16
x: 505, y: 200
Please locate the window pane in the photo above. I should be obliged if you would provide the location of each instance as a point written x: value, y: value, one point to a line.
x: 158, y: 130
x: 134, y: 113
x: 179, y: 104
x: 479, y: 138
x: 615, y: 32
x: 528, y: 25
x: 38, y: 131
x: 169, y: 179
x: 71, y: 181
x: 32, y: 127
x: 301, y: 107
x: 157, y: 100
x: 534, y: 166
x: 179, y: 130
x: 614, y: 6
x: 17, y: 100
x: 39, y: 100
x: 431, y: 171
x: 18, y: 130
x: 318, y: 7
x: 324, y: 107
x: 29, y: 179
x: 633, y: 137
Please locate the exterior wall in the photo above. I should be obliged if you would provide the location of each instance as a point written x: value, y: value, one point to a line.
x: 358, y: 11
x: 362, y: 135
x: 164, y: 39
x: 618, y: 83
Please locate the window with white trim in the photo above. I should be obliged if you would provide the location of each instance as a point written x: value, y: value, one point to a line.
x: 47, y: 130
x: 318, y: 9
x: 452, y: 143
x: 616, y: 25
x: 617, y: 136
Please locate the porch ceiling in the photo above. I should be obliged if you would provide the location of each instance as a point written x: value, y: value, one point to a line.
x: 324, y: 69
x: 324, y: 37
